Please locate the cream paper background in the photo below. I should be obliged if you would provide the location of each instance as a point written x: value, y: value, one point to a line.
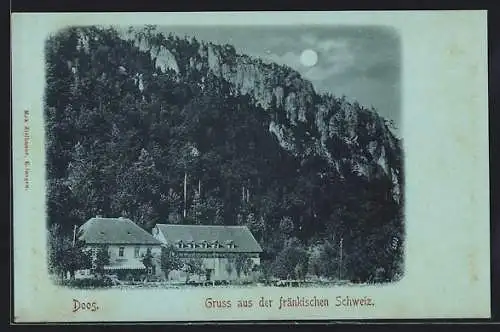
x: 444, y: 105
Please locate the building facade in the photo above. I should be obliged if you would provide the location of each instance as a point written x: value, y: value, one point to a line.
x: 126, y: 245
x: 226, y: 252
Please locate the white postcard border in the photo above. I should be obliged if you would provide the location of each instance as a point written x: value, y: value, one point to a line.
x: 445, y: 133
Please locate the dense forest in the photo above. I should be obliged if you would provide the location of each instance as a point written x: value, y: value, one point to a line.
x: 166, y: 129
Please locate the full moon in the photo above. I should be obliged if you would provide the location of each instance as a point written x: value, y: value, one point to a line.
x: 309, y: 58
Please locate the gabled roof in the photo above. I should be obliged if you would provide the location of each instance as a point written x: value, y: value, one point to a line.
x: 241, y: 236
x: 114, y: 231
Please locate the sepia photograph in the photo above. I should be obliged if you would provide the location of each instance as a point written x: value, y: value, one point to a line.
x: 250, y: 166
x: 237, y: 156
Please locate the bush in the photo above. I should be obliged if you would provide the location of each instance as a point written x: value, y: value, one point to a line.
x: 88, y: 283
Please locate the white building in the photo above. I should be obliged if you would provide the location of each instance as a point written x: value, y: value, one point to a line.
x: 126, y: 244
x: 227, y: 252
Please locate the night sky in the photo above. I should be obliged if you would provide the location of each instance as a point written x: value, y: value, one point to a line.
x: 361, y: 63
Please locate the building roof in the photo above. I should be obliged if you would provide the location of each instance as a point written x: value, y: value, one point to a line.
x: 240, y: 236
x: 114, y: 231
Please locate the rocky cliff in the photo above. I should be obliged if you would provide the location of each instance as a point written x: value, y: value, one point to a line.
x: 346, y: 134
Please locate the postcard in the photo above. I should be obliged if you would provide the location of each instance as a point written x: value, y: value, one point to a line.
x: 194, y: 167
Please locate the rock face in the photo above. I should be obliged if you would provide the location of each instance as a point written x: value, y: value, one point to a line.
x: 307, y: 124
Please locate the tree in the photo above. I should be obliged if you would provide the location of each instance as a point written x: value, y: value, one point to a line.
x: 256, y: 225
x: 198, y: 211
x: 147, y: 260
x: 63, y: 255
x: 266, y: 270
x: 100, y: 260
x: 170, y: 260
x: 286, y: 226
x: 328, y: 260
x: 173, y: 201
x: 287, y: 260
x: 300, y: 270
x: 82, y: 180
x: 229, y: 267
x: 243, y: 264
x: 57, y: 246
x: 193, y: 266
x: 78, y: 258
x: 144, y: 182
x: 217, y: 208
x: 315, y: 264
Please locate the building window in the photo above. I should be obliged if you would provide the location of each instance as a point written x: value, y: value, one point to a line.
x: 136, y: 252
x: 120, y: 251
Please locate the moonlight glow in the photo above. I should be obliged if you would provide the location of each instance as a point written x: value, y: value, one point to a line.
x: 308, y: 58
